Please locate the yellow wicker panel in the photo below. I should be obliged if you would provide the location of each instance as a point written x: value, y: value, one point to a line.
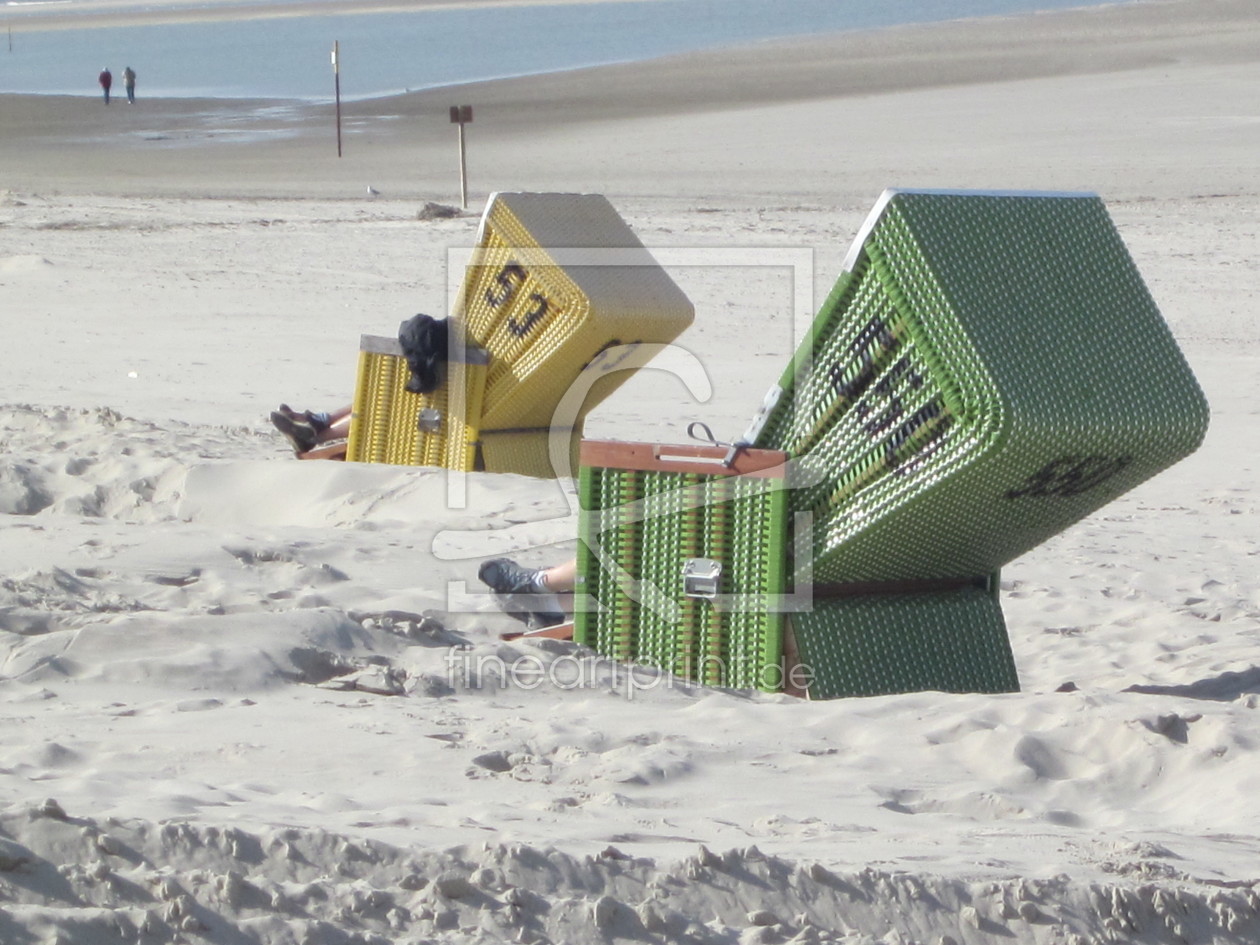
x: 528, y: 453
x: 556, y: 279
x: 385, y: 426
x: 522, y: 316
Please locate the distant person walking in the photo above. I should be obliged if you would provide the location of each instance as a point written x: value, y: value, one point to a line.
x: 129, y: 83
x: 106, y: 80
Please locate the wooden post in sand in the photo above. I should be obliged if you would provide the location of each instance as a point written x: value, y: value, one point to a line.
x: 336, y: 64
x: 461, y: 115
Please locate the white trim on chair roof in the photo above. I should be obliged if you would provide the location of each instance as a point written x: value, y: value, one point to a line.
x: 855, y: 250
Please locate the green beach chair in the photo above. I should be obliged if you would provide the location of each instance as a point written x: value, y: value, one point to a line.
x: 989, y: 369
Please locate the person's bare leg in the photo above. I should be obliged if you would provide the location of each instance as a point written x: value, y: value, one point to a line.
x: 561, y: 578
x: 338, y: 426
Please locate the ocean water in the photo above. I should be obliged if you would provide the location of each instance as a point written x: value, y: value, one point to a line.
x: 387, y: 53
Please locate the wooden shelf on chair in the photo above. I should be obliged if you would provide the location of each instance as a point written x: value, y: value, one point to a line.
x: 561, y: 631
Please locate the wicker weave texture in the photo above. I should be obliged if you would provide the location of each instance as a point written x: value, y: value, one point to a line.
x: 559, y: 295
x: 555, y: 280
x: 880, y: 644
x: 638, y: 530
x: 385, y: 424
x: 989, y: 370
x: 531, y: 452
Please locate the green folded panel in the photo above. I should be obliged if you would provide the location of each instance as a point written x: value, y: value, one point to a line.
x: 989, y: 369
x: 952, y: 641
x: 681, y: 560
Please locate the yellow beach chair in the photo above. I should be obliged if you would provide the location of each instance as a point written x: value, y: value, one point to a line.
x: 559, y: 293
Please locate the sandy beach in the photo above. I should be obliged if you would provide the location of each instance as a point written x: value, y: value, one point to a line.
x: 236, y: 688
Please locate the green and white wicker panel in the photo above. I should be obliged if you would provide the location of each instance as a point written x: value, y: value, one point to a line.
x: 989, y: 369
x: 680, y: 561
x: 952, y: 641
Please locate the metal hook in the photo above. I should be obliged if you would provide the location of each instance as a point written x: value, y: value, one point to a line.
x: 732, y: 449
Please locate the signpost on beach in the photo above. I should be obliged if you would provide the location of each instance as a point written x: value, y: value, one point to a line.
x: 462, y: 115
x: 336, y: 64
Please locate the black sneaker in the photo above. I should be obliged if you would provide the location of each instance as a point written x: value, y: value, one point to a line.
x: 298, y: 432
x: 304, y: 416
x: 521, y: 593
x: 505, y: 576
